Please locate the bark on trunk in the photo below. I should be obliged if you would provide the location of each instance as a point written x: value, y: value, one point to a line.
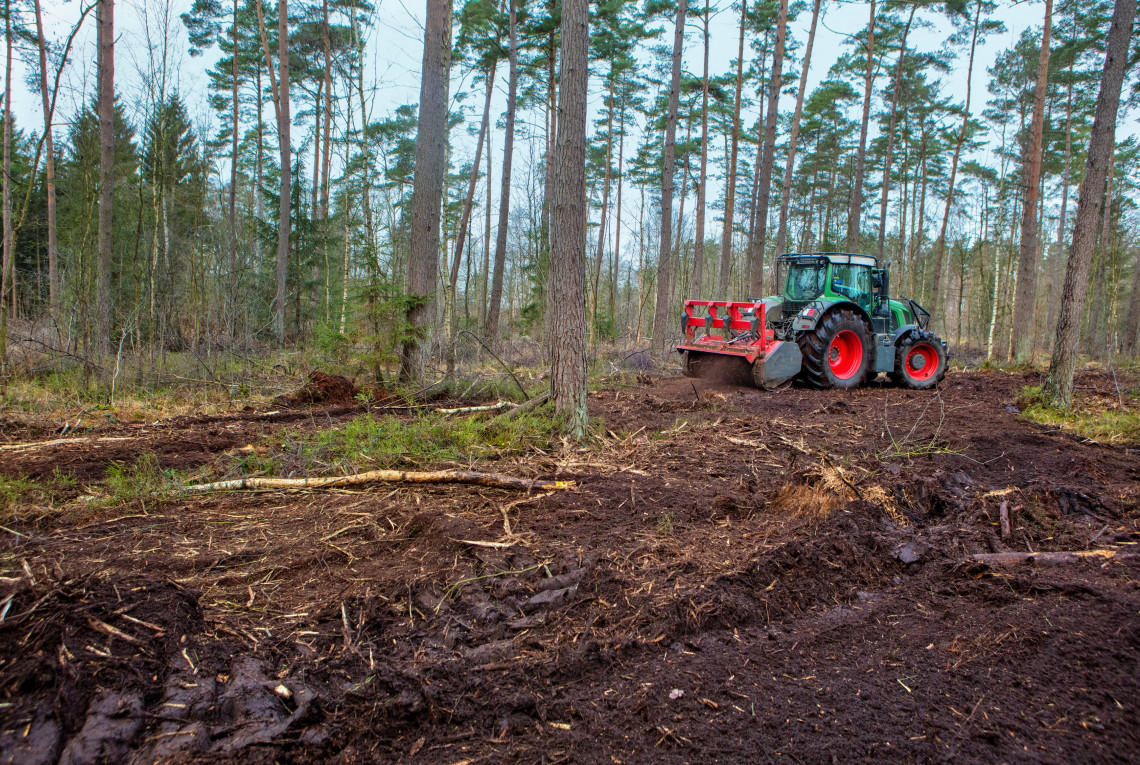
x: 427, y: 188
x: 853, y: 217
x: 495, y: 306
x: 106, y: 23
x: 1025, y: 298
x: 756, y: 284
x: 567, y: 338
x: 793, y: 139
x: 730, y: 185
x: 1059, y: 382
x: 663, y: 316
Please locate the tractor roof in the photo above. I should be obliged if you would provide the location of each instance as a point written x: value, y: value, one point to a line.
x: 834, y: 257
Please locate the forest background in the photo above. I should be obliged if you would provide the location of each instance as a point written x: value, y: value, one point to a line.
x: 907, y: 134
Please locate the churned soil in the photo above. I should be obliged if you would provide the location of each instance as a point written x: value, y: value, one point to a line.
x: 737, y: 576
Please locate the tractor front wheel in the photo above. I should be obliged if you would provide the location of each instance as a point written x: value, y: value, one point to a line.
x: 837, y: 353
x: 920, y: 361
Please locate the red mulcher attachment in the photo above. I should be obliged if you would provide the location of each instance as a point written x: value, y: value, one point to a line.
x: 744, y: 334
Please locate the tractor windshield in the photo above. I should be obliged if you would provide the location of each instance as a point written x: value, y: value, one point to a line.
x: 806, y: 280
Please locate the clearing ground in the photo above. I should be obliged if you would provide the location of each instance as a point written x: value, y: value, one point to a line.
x: 738, y: 576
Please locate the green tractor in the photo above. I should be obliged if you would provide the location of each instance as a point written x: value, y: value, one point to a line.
x: 835, y: 325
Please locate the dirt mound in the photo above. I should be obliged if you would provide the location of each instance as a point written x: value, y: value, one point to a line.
x: 321, y: 388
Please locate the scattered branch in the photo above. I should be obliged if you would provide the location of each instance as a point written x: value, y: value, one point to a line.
x: 495, y: 480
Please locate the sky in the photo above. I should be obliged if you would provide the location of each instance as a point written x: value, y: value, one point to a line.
x: 395, y: 49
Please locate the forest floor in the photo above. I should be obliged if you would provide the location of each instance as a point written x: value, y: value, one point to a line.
x: 737, y: 576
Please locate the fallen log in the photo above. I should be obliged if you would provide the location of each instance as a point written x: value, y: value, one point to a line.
x: 1067, y: 556
x: 524, y: 407
x: 494, y: 480
x: 473, y: 409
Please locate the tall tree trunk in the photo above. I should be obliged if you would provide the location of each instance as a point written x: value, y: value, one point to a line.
x: 793, y: 139
x: 1025, y: 297
x: 484, y: 287
x: 326, y: 142
x: 756, y: 286
x: 462, y: 233
x: 106, y: 23
x: 492, y: 330
x: 1096, y: 342
x: 855, y: 214
x: 940, y: 245
x: 663, y: 319
x: 49, y: 169
x: 702, y: 182
x: 1132, y: 322
x: 469, y: 201
x: 281, y: 108
x: 1062, y: 219
x: 730, y: 184
x: 601, y: 248
x: 6, y: 262
x: 427, y: 187
x: 231, y: 260
x: 1059, y: 382
x: 895, y: 93
x: 284, y: 219
x: 567, y: 337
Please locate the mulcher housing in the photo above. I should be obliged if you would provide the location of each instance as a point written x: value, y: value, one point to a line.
x: 834, y: 324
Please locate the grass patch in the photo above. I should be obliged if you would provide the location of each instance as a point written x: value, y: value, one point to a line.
x: 12, y: 490
x: 1089, y: 419
x: 143, y: 480
x: 376, y: 441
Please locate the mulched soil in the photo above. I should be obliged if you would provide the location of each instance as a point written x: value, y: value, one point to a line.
x: 739, y: 576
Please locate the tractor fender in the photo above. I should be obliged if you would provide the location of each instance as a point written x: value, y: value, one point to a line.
x: 901, y: 331
x: 807, y: 324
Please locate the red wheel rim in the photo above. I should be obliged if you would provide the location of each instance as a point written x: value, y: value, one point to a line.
x: 845, y: 355
x: 922, y: 362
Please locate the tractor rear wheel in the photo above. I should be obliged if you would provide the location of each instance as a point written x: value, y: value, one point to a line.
x: 920, y: 361
x: 693, y: 364
x: 837, y: 353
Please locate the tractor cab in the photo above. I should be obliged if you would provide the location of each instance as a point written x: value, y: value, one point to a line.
x: 806, y: 278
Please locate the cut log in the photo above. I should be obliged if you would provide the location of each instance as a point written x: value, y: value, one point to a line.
x: 495, y: 480
x: 1068, y: 556
x: 1004, y: 513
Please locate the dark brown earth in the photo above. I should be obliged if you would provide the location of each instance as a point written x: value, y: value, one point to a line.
x: 739, y: 576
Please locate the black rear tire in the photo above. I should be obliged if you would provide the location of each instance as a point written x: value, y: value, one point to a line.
x: 920, y: 361
x: 837, y: 353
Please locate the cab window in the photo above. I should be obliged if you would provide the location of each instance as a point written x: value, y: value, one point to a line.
x: 852, y: 282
